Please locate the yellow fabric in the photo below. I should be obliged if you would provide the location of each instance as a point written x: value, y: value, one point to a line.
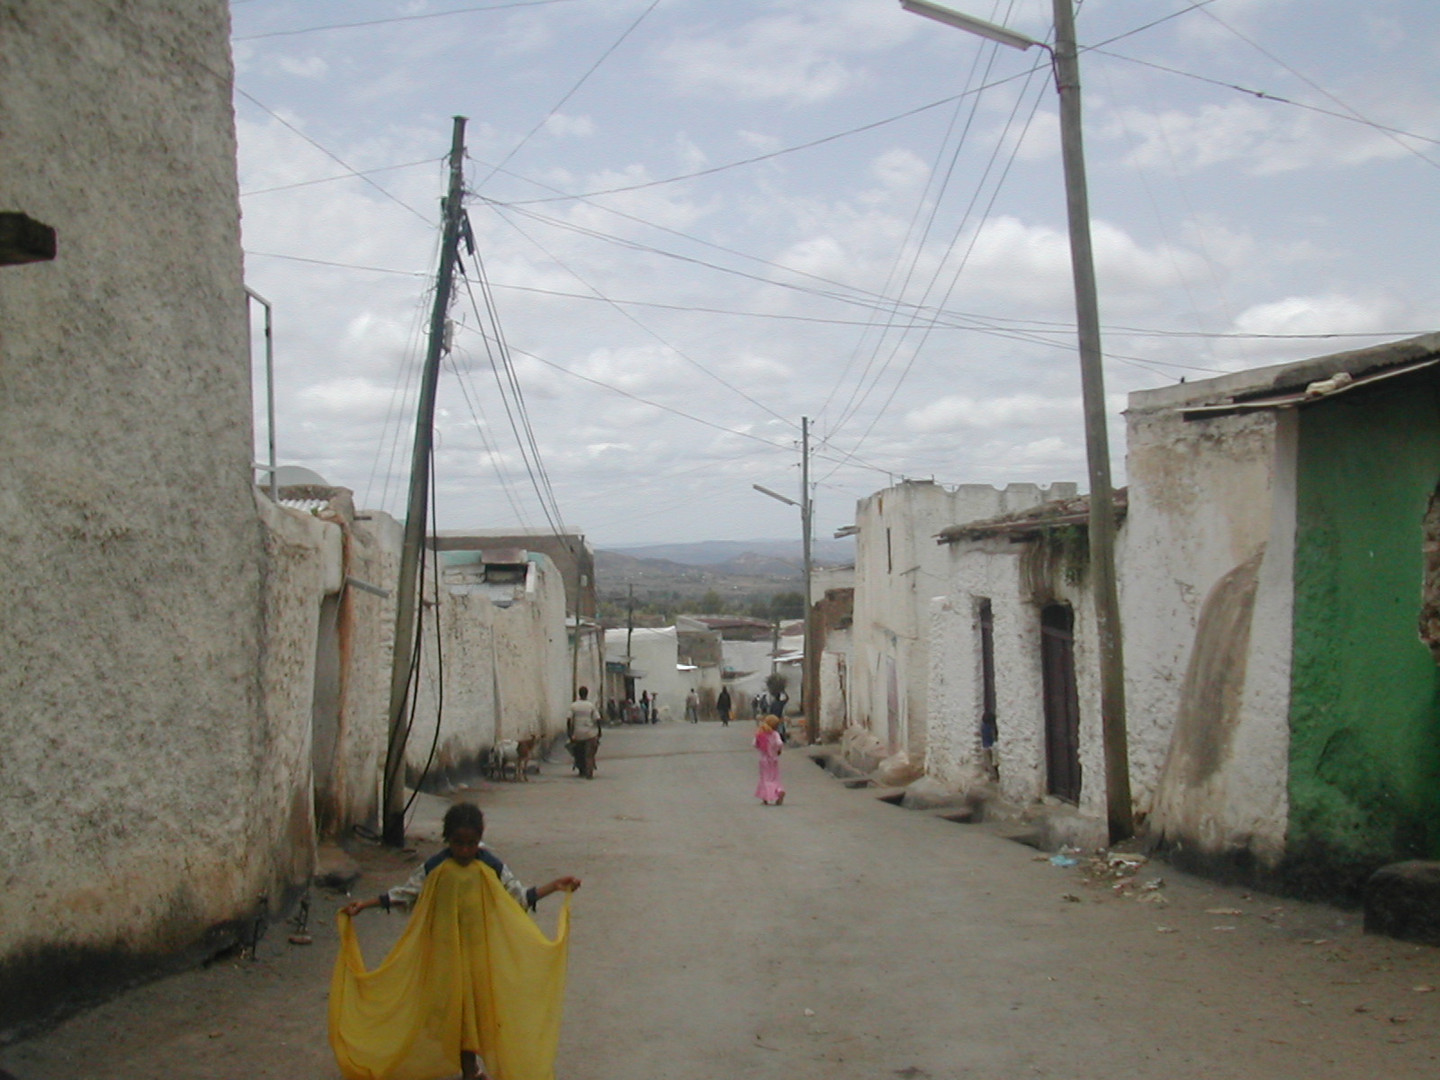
x: 471, y: 972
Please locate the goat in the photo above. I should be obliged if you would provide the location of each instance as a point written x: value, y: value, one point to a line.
x: 512, y: 756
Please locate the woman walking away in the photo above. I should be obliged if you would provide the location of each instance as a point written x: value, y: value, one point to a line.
x: 767, y: 742
x: 472, y: 979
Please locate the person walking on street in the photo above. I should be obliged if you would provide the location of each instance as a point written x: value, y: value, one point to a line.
x: 692, y: 707
x: 722, y: 706
x: 767, y: 742
x: 583, y: 725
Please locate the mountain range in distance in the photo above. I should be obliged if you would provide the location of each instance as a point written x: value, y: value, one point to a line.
x: 749, y: 552
x: 726, y: 566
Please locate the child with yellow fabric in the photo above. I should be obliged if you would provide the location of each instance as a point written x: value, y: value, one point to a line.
x: 472, y: 974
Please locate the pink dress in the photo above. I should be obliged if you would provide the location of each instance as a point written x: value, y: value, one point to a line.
x: 768, y: 743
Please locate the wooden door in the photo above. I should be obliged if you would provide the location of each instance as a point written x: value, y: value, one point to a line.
x: 1062, y: 703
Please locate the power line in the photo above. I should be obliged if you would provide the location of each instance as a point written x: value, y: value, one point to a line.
x: 350, y: 169
x: 631, y: 318
x: 571, y: 92
x: 342, y: 176
x: 778, y: 153
x: 1265, y: 95
x: 400, y: 19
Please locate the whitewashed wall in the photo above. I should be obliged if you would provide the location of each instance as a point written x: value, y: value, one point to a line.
x: 1206, y: 498
x: 655, y: 651
x: 991, y: 569
x: 898, y: 569
x: 504, y: 672
x: 368, y: 621
x: 834, y: 684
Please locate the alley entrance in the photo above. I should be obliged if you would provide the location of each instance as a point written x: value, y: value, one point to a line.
x: 835, y: 937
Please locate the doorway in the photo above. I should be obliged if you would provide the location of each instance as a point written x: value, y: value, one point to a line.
x: 1062, y: 703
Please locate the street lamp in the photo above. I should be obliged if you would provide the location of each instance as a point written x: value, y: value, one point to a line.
x: 1092, y: 389
x: 810, y: 670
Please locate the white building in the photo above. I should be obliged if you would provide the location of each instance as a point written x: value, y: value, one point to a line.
x: 1014, y: 691
x: 501, y: 667
x: 898, y: 569
x: 652, y: 655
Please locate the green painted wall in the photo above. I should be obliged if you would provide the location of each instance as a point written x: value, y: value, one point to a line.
x: 1365, y: 694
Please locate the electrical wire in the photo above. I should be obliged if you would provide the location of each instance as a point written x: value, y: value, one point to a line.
x: 1265, y: 95
x: 342, y: 176
x: 350, y: 169
x: 570, y: 93
x: 771, y: 155
x: 400, y: 19
x: 631, y: 318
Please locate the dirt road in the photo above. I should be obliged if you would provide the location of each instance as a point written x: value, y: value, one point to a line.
x: 834, y: 937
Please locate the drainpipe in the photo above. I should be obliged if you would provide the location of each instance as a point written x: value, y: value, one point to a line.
x: 269, y: 383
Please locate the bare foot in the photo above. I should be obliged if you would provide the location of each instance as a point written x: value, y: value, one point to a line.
x: 781, y: 800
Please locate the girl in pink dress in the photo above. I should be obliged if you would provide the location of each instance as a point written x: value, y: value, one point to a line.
x: 767, y: 742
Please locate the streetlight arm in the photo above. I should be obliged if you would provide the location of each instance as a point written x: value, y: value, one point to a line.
x: 970, y: 24
x: 774, y: 495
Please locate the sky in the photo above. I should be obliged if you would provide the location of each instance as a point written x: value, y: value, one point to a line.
x: 697, y: 222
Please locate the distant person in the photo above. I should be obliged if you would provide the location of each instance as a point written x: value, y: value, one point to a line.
x: 768, y: 744
x: 632, y: 711
x: 583, y: 725
x: 692, y: 707
x: 722, y: 706
x: 612, y: 711
x: 654, y: 708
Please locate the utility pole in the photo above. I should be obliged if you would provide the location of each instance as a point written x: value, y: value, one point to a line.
x: 1097, y: 443
x: 629, y: 634
x: 393, y: 812
x: 809, y: 664
x: 1119, y: 809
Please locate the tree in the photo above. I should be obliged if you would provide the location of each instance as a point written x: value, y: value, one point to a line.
x: 787, y: 605
x: 712, y: 603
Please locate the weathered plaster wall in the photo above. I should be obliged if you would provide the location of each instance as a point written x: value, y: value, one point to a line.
x: 1365, y: 707
x: 367, y: 630
x: 898, y: 569
x: 136, y: 817
x: 487, y: 653
x: 993, y: 570
x: 1206, y: 611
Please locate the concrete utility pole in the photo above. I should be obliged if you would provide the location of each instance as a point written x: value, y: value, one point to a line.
x: 393, y: 821
x: 1120, y: 811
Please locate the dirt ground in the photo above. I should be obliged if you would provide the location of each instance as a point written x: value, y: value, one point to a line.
x: 834, y: 937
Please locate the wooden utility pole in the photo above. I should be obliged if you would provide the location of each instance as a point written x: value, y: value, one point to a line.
x: 1097, y: 443
x: 393, y: 820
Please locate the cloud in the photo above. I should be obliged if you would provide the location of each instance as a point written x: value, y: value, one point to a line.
x: 1264, y: 138
x: 956, y: 412
x: 795, y: 53
x: 562, y: 126
x: 311, y: 67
